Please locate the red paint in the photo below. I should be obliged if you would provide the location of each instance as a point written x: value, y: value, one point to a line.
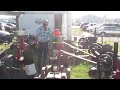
x: 59, y: 46
x: 26, y: 46
x: 57, y: 32
x: 22, y: 42
x: 22, y: 46
x: 18, y: 53
x: 116, y: 75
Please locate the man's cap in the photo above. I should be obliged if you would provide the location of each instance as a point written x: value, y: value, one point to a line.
x: 45, y: 20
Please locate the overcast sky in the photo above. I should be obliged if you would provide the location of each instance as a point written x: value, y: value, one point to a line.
x: 77, y: 14
x: 5, y: 16
x: 109, y: 14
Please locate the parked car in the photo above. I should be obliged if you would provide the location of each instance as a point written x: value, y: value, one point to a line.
x: 4, y: 33
x: 5, y: 36
x: 83, y: 24
x: 91, y: 28
x: 88, y: 25
x: 5, y: 27
x: 112, y: 24
x: 108, y: 30
x: 13, y: 26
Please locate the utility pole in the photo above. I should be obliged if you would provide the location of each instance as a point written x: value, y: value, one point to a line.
x: 104, y: 19
x: 17, y: 22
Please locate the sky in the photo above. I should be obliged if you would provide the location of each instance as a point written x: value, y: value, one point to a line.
x: 109, y: 14
x: 77, y: 14
x: 4, y: 16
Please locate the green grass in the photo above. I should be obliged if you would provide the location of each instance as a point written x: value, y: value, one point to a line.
x: 81, y: 71
x: 76, y: 31
x: 5, y: 47
x: 2, y: 46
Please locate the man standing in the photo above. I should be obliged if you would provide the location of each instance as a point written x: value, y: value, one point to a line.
x: 42, y: 40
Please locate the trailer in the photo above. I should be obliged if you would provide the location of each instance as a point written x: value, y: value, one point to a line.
x: 57, y: 20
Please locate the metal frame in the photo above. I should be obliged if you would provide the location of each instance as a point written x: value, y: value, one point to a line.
x: 11, y: 13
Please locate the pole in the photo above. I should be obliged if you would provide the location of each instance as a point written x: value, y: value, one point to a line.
x: 102, y: 40
x: 17, y: 26
x: 95, y: 32
x: 115, y: 55
x: 17, y: 22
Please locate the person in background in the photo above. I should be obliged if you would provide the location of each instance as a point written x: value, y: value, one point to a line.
x: 42, y: 40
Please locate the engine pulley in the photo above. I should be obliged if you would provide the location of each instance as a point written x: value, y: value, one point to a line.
x: 95, y: 49
x: 106, y: 62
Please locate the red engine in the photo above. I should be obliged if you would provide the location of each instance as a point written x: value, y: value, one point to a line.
x: 57, y: 32
x: 58, y: 45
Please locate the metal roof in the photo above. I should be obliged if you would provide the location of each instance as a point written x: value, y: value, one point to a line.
x: 12, y: 13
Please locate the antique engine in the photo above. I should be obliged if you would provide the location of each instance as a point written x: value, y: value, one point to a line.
x: 56, y: 69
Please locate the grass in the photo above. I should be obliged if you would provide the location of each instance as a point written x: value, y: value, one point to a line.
x: 2, y: 46
x: 5, y: 47
x: 81, y: 71
x: 76, y: 31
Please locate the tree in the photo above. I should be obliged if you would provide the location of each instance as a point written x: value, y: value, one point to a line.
x: 91, y: 19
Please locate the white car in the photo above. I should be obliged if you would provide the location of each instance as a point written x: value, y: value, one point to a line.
x: 5, y: 36
x: 108, y: 30
x: 13, y: 26
x: 5, y: 27
x: 89, y: 25
x: 90, y: 28
x: 4, y: 33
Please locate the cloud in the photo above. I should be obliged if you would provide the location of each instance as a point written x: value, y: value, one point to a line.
x: 109, y: 14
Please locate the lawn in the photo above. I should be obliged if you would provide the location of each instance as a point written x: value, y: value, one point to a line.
x: 76, y: 31
x: 4, y: 47
x: 81, y: 71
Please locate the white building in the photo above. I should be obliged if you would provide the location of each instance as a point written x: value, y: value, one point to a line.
x: 57, y: 19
